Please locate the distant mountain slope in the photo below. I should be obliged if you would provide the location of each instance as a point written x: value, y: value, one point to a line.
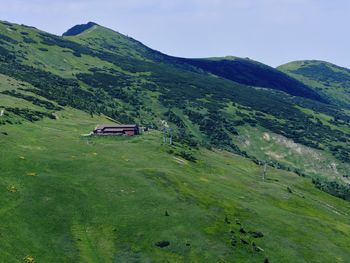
x: 249, y: 72
x: 324, y: 77
x: 76, y: 30
x: 243, y: 71
x: 102, y: 38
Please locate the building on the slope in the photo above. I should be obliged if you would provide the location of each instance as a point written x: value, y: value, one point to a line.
x: 116, y: 129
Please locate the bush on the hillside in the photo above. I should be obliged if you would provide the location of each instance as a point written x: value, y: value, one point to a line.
x: 36, y: 101
x: 30, y: 115
x: 256, y: 234
x: 187, y: 155
x: 28, y: 40
x: 162, y: 243
x: 335, y: 188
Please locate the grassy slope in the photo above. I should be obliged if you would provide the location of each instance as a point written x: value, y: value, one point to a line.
x: 66, y: 198
x: 322, y: 76
x: 104, y: 199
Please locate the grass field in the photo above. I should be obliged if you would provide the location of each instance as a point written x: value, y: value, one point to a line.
x: 66, y: 198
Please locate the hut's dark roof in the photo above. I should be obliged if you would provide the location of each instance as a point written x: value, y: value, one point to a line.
x: 116, y: 126
x: 113, y: 130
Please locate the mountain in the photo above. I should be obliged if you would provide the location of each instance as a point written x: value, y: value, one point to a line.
x: 68, y: 197
x: 324, y: 77
x: 244, y: 71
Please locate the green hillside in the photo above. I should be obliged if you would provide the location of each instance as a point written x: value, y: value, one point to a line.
x: 67, y: 197
x: 324, y: 77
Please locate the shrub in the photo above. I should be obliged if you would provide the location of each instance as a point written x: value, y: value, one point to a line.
x: 335, y: 188
x: 162, y: 243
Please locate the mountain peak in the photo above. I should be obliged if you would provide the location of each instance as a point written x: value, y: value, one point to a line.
x: 78, y: 29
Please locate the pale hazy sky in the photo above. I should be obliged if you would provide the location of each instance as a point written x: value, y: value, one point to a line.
x: 270, y: 31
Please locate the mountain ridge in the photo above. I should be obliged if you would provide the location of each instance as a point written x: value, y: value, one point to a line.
x: 236, y: 69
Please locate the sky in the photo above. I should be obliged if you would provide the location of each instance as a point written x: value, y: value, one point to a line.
x: 271, y: 31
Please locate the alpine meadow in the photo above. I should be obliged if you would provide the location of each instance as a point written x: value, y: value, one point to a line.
x: 235, y: 161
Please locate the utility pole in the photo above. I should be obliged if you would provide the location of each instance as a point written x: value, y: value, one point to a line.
x: 164, y: 135
x: 167, y: 131
x: 171, y: 136
x: 264, y: 172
